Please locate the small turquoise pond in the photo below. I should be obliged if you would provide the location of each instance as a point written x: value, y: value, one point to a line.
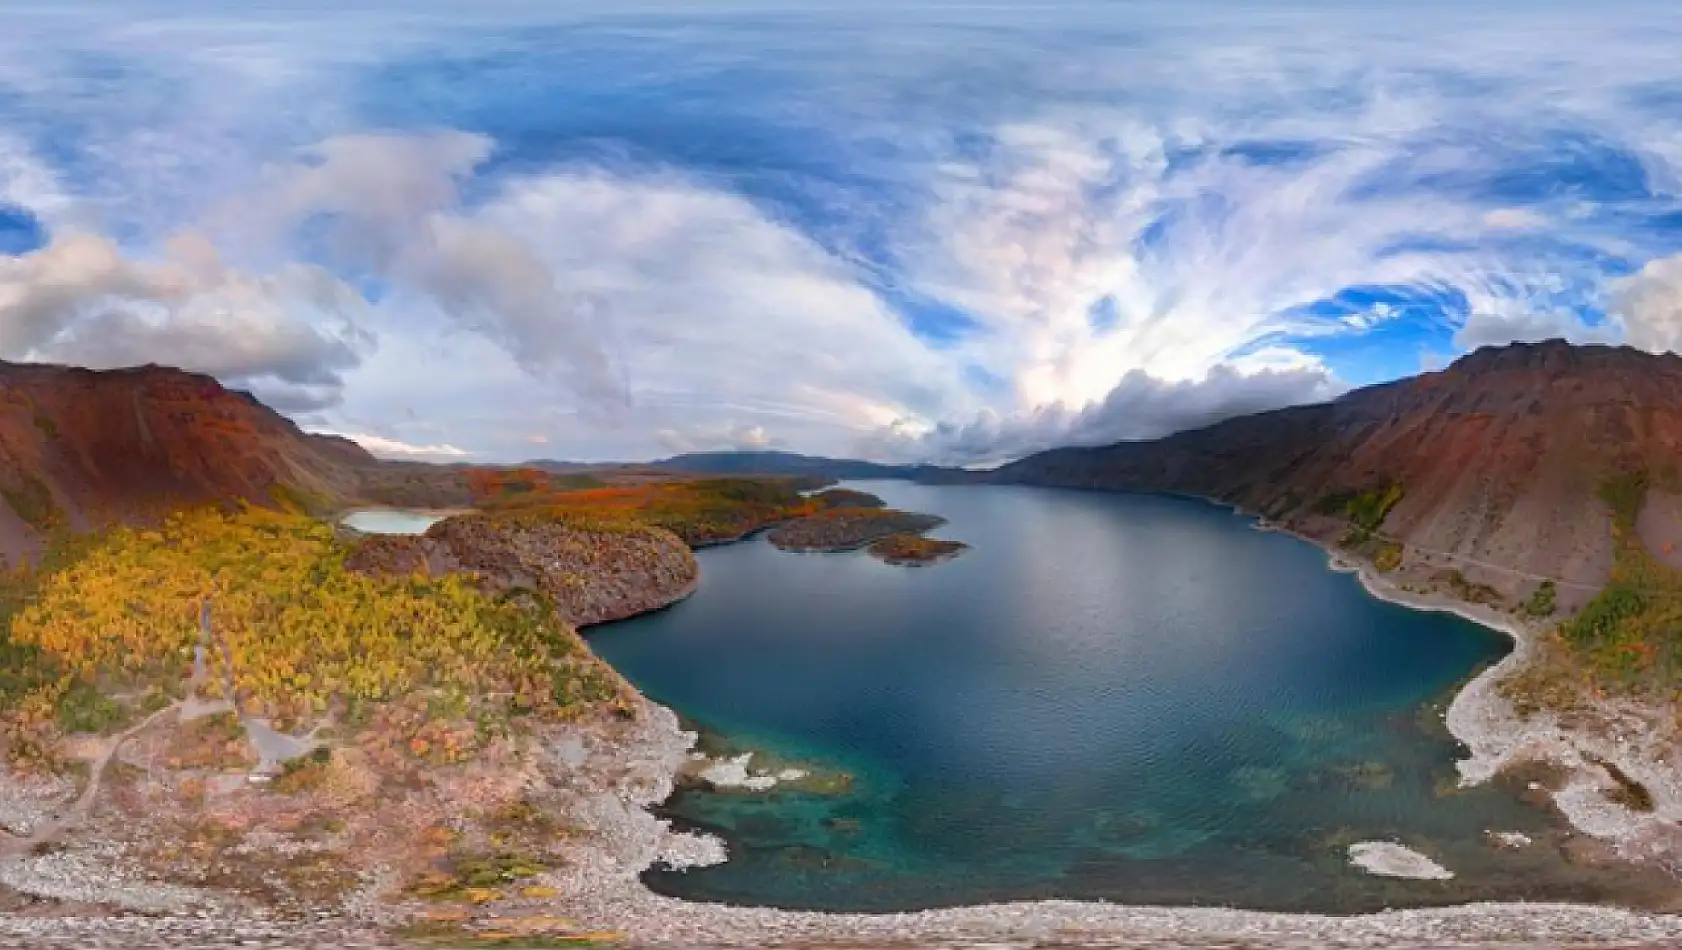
x: 1115, y: 697
x: 392, y: 520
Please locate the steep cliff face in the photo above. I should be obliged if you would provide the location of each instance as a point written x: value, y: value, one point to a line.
x: 1499, y: 457
x: 79, y: 448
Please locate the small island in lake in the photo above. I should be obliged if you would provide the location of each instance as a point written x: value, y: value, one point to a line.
x: 914, y: 550
x: 848, y: 529
x: 862, y: 521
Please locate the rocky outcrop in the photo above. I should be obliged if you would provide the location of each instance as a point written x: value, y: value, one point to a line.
x: 591, y: 574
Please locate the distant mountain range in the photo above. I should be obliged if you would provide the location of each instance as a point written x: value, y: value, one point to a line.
x: 764, y: 463
x: 790, y: 463
x: 1496, y: 459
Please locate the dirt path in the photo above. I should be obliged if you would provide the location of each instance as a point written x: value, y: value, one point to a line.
x: 1490, y: 565
x: 84, y: 802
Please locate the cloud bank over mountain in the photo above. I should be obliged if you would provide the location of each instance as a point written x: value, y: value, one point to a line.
x: 921, y: 233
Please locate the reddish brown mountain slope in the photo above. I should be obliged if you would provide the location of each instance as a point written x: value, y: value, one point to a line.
x: 79, y: 447
x: 1499, y: 457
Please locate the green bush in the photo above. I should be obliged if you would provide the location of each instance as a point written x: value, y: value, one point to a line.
x: 1603, y: 617
x: 1542, y: 602
x: 1366, y: 510
x: 1625, y: 494
x: 32, y: 501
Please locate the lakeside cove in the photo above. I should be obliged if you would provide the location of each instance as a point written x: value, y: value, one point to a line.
x: 1546, y: 838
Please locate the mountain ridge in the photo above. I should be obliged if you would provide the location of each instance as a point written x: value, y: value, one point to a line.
x: 767, y: 462
x: 1497, y: 459
x: 81, y: 447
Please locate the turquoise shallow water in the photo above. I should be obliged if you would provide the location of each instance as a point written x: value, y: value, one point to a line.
x: 390, y: 521
x: 1114, y: 697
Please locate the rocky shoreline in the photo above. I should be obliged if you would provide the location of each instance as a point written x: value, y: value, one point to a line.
x: 610, y: 771
x: 605, y: 889
x: 1479, y: 717
x: 1622, y: 735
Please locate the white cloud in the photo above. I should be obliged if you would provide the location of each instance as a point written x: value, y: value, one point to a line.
x: 742, y: 438
x: 1514, y: 219
x: 1140, y: 406
x: 700, y: 299
x: 80, y: 300
x: 1649, y: 303
x: 1498, y: 328
x: 28, y: 183
x: 396, y: 448
x: 1129, y: 266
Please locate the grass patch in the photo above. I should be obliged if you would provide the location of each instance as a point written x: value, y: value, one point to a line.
x: 1468, y: 590
x: 699, y: 511
x: 476, y: 879
x: 304, y: 773
x: 1542, y: 602
x: 1365, y: 512
x: 1387, y: 557
x: 300, y: 501
x: 301, y: 636
x: 82, y: 708
x: 32, y: 501
x: 456, y: 936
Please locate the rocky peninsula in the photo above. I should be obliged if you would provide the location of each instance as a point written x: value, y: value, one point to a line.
x: 592, y: 573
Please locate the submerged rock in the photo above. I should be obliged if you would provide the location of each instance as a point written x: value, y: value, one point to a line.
x: 1509, y: 839
x: 1389, y: 859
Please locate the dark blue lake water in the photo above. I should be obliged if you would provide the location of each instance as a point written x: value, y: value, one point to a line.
x: 1117, y: 697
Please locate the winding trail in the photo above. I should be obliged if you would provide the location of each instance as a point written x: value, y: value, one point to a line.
x: 1490, y: 565
x: 84, y: 802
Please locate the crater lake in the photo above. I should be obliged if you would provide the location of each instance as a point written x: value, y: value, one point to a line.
x: 1116, y: 697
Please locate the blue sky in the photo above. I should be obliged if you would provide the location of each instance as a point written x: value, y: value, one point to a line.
x: 945, y: 231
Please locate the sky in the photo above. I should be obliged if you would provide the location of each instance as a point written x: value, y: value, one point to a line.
x: 956, y: 232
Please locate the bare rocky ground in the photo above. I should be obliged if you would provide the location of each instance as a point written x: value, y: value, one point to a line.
x: 90, y: 890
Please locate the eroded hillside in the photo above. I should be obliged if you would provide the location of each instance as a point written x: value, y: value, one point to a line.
x: 1496, y: 461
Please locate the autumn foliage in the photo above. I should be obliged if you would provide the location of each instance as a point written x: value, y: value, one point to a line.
x: 1631, y: 632
x: 294, y: 633
x: 700, y: 511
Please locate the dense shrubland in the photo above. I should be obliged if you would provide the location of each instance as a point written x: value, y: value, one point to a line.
x: 1365, y: 510
x: 700, y: 511
x: 294, y: 634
